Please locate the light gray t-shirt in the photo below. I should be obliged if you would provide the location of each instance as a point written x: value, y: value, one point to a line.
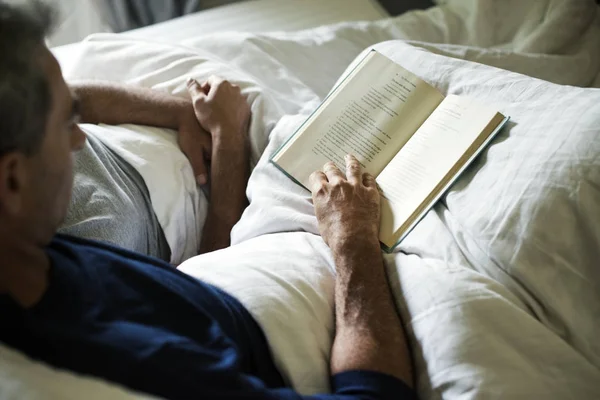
x: 111, y: 203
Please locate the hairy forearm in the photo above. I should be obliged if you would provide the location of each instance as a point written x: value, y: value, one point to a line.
x: 369, y: 333
x: 229, y: 177
x: 114, y: 104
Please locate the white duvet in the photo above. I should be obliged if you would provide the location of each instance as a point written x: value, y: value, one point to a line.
x: 499, y: 285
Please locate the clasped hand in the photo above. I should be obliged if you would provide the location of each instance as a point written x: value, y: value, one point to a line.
x: 219, y: 116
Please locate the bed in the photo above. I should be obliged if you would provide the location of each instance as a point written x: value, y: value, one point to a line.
x: 498, y: 285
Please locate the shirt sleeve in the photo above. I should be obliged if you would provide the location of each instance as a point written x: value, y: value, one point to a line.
x: 355, y: 385
x: 371, y: 385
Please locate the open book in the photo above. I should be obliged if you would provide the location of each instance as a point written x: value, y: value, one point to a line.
x: 403, y: 131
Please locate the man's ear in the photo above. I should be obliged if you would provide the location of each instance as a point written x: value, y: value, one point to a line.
x: 12, y: 182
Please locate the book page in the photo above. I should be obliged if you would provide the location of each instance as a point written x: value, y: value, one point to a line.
x: 372, y: 114
x: 455, y: 129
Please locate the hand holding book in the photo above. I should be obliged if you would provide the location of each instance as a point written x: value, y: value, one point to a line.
x: 347, y: 206
x: 404, y: 132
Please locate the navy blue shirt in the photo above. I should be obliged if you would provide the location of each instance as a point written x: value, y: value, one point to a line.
x: 138, y: 321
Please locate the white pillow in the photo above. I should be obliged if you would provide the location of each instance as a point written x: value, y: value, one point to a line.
x: 286, y: 281
x: 24, y: 379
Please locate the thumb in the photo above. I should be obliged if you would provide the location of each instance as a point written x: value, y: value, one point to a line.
x: 199, y: 168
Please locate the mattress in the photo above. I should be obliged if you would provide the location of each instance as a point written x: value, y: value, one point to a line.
x: 253, y: 16
x: 263, y: 16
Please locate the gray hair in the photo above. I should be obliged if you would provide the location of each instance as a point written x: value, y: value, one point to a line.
x: 25, y: 97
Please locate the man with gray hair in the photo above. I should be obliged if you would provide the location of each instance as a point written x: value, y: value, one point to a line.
x: 100, y: 310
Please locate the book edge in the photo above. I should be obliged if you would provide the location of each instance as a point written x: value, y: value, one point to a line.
x: 279, y: 167
x: 475, y: 154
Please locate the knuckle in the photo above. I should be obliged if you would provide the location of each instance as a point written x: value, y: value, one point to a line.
x: 314, y: 177
x: 198, y: 101
x: 318, y: 189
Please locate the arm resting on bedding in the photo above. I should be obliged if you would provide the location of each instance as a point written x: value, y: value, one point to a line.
x: 369, y: 333
x: 113, y: 104
x: 370, y: 358
x: 229, y: 177
x: 222, y: 110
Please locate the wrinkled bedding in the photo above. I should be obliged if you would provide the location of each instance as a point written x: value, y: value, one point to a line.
x: 498, y: 286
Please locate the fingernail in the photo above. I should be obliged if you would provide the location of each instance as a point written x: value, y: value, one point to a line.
x: 201, y: 179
